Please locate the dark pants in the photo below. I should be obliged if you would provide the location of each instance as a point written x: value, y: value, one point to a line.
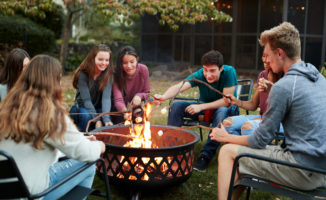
x: 82, y: 118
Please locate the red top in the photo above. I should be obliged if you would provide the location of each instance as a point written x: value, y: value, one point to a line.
x: 263, y: 95
x: 137, y: 84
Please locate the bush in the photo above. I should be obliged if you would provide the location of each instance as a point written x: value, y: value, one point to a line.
x: 19, y: 31
x: 54, y: 20
x: 73, y: 62
x: 323, y: 70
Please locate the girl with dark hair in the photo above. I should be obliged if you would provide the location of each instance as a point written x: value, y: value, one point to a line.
x: 34, y: 127
x: 93, y: 81
x: 131, y: 80
x: 16, y: 61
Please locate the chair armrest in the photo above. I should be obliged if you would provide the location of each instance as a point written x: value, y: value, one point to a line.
x: 258, y: 157
x: 58, y: 184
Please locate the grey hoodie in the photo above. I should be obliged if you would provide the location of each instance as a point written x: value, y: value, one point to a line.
x: 298, y: 101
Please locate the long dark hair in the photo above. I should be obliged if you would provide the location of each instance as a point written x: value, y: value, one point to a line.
x: 88, y: 67
x: 13, y: 67
x: 120, y: 76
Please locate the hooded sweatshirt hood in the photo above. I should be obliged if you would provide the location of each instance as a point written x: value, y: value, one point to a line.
x: 304, y: 69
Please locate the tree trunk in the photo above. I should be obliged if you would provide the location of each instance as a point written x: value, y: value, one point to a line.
x: 65, y: 40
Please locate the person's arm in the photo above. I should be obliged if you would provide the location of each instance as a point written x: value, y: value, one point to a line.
x: 247, y: 105
x: 75, y: 145
x: 172, y: 91
x: 106, y: 103
x: 221, y: 135
x: 146, y: 88
x: 84, y: 93
x: 196, y: 108
x: 118, y: 99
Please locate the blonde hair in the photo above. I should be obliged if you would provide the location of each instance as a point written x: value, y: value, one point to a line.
x: 284, y: 36
x: 32, y: 110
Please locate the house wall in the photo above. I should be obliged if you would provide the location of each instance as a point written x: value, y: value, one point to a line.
x: 238, y: 40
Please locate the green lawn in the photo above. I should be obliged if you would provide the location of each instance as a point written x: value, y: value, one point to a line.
x: 198, y: 186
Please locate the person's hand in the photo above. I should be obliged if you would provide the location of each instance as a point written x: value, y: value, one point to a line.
x: 127, y: 116
x: 136, y: 101
x: 230, y: 99
x: 91, y: 137
x: 219, y: 134
x: 98, y: 124
x: 108, y: 123
x: 264, y: 85
x: 159, y: 97
x: 193, y: 109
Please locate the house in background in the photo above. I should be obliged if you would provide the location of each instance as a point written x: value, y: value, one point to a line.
x: 238, y: 40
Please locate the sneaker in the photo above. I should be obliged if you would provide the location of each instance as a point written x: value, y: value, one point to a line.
x: 201, y: 163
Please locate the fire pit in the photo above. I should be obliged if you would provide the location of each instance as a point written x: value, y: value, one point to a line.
x: 168, y: 162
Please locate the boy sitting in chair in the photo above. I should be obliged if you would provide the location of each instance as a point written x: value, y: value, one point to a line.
x: 298, y: 100
x: 219, y: 76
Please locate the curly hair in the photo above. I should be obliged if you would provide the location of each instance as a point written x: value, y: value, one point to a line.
x: 212, y: 57
x: 284, y: 36
x: 32, y: 110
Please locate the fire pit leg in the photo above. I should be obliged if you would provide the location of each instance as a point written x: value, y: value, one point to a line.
x: 135, y: 195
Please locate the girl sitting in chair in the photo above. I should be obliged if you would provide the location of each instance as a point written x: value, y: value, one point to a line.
x: 34, y: 127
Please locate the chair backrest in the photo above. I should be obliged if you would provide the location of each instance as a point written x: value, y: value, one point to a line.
x: 244, y: 89
x: 12, y: 184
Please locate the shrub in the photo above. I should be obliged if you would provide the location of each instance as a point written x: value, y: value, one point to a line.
x: 73, y: 62
x: 19, y: 31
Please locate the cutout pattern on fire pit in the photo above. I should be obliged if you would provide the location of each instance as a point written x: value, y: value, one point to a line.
x: 168, y: 164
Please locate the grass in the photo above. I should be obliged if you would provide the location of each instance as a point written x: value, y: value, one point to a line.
x: 199, y: 186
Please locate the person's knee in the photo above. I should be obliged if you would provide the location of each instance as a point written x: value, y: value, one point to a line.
x: 228, y: 151
x: 228, y: 122
x: 247, y: 126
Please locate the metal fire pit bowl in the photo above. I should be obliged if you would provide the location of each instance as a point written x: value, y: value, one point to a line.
x: 170, y: 163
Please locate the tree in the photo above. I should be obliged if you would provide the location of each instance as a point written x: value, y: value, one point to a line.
x: 168, y: 12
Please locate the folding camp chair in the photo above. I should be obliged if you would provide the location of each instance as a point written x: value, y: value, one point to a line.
x: 244, y: 91
x: 269, y: 186
x: 12, y: 184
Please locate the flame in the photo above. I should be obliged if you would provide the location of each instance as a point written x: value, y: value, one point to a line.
x: 143, y: 139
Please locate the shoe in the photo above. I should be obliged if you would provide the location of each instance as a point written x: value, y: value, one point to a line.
x: 201, y: 163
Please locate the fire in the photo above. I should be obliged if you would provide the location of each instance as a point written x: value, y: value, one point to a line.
x: 143, y: 139
x: 141, y: 132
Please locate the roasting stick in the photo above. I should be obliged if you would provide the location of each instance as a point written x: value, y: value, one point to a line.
x: 110, y: 134
x: 100, y: 115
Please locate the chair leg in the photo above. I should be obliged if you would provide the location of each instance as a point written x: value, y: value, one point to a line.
x: 201, y: 134
x: 248, y: 193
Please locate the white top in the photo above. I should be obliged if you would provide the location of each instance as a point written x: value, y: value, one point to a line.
x: 34, y: 163
x: 3, y: 91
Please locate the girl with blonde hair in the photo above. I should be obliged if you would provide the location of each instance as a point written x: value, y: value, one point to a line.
x: 34, y: 127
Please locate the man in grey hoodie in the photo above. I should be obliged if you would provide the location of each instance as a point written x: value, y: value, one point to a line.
x: 298, y: 101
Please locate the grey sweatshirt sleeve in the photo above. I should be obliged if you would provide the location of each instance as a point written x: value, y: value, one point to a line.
x: 84, y: 93
x: 278, y: 101
x: 106, y: 101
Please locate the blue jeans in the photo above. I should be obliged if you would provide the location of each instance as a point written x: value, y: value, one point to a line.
x: 238, y: 121
x: 82, y: 120
x: 62, y: 169
x: 178, y: 113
